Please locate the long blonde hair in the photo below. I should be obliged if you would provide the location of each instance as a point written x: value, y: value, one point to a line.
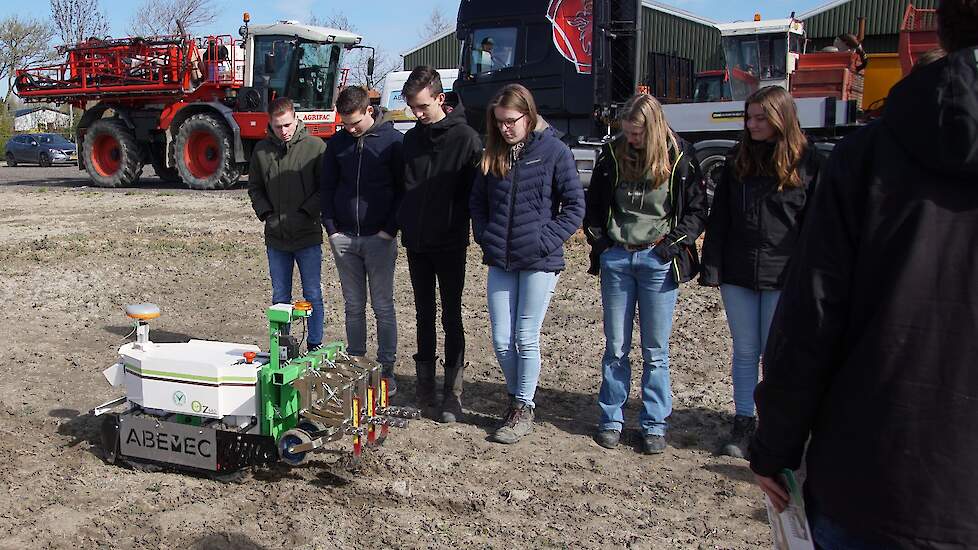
x: 495, y: 158
x: 753, y: 158
x: 645, y: 111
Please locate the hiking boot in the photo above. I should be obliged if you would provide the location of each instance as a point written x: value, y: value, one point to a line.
x: 737, y: 445
x: 653, y: 444
x: 424, y: 391
x: 451, y: 405
x: 608, y: 438
x: 518, y: 424
x: 387, y: 373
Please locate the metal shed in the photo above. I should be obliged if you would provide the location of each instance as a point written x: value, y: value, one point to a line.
x: 883, y: 19
x: 441, y: 52
x: 666, y: 29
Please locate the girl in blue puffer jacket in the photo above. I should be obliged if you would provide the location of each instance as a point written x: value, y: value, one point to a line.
x: 527, y: 200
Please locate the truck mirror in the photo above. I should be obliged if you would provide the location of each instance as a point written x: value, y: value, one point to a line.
x: 370, y: 66
x: 33, y: 143
x: 269, y: 62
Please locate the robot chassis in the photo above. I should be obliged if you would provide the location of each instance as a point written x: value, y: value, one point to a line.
x: 219, y: 407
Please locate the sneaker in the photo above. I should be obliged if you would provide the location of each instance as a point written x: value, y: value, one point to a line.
x: 518, y: 425
x: 653, y: 444
x: 387, y: 373
x: 739, y: 440
x: 608, y: 438
x: 313, y: 347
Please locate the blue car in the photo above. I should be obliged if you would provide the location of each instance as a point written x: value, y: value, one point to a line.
x: 43, y: 149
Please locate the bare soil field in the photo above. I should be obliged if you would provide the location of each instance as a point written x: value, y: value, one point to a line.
x: 72, y: 256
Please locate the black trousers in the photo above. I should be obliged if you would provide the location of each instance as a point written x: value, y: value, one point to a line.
x: 448, y: 269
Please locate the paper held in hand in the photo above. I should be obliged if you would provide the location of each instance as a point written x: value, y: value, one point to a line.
x: 790, y: 529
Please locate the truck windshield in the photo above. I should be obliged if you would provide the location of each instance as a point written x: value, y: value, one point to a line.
x: 754, y: 59
x: 489, y: 50
x: 304, y: 71
x: 315, y: 79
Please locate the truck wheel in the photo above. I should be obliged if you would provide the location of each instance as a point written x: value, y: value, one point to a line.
x: 204, y: 153
x: 166, y: 173
x: 712, y: 162
x: 111, y: 154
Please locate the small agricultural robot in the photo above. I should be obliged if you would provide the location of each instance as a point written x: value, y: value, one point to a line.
x: 220, y: 407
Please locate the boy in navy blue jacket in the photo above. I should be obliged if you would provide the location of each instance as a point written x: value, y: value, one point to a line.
x: 362, y: 185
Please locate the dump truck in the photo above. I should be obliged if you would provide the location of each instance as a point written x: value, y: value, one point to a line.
x: 193, y: 108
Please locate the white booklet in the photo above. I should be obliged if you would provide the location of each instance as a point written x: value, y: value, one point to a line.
x: 790, y: 529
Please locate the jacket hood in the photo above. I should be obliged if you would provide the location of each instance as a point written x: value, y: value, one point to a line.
x: 381, y: 117
x: 300, y: 134
x: 437, y: 131
x: 933, y: 113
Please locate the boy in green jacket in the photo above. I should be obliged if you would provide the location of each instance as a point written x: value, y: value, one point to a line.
x: 283, y: 183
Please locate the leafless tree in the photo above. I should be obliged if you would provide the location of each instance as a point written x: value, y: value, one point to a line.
x: 23, y: 42
x: 358, y: 59
x: 158, y: 17
x: 436, y: 24
x: 78, y: 20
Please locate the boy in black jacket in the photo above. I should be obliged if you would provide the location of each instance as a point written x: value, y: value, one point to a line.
x: 362, y: 184
x: 440, y: 155
x: 870, y: 362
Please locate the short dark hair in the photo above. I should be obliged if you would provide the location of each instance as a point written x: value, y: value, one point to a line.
x: 353, y: 99
x: 957, y: 24
x: 280, y: 106
x: 423, y: 77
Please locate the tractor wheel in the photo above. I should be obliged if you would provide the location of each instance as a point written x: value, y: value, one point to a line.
x: 166, y: 173
x: 111, y: 154
x: 11, y: 160
x: 204, y: 153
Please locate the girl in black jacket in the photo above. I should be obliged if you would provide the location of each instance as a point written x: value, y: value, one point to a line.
x: 754, y: 223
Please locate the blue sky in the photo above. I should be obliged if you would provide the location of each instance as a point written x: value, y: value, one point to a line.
x: 391, y: 25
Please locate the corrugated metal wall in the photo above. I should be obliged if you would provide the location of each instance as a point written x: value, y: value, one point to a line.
x: 440, y: 54
x: 664, y: 33
x: 883, y: 19
x: 674, y: 35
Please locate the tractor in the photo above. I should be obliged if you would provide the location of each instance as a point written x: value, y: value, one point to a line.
x: 193, y: 108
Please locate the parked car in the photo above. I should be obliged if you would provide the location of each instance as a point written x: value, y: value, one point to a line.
x: 43, y: 149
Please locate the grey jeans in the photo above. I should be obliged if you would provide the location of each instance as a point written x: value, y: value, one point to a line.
x: 367, y: 263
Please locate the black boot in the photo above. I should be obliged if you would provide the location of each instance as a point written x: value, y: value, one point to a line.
x: 425, y: 389
x: 451, y: 405
x: 737, y: 444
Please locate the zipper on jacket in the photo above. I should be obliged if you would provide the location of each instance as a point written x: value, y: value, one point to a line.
x: 359, y: 164
x: 424, y: 192
x: 512, y: 205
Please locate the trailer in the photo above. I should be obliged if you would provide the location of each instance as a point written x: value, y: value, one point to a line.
x: 193, y: 108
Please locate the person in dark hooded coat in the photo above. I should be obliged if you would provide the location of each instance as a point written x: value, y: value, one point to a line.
x: 870, y: 360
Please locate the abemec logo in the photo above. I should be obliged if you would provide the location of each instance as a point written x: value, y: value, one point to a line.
x: 179, y: 398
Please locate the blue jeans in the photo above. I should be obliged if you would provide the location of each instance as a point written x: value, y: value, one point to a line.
x: 310, y: 261
x: 366, y: 264
x: 749, y: 314
x: 518, y: 302
x: 829, y: 535
x: 627, y: 279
